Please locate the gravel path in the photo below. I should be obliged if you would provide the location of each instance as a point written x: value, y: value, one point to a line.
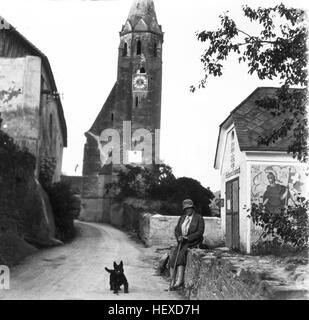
x: 76, y: 270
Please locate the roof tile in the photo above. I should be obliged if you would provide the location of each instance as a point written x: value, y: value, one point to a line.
x: 252, y: 121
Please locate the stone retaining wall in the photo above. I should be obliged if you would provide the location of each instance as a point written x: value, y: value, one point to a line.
x: 157, y: 230
x: 224, y: 275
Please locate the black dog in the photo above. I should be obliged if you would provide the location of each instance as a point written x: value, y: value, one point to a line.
x: 117, y: 278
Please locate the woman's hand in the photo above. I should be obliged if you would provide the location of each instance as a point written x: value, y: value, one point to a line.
x: 182, y: 238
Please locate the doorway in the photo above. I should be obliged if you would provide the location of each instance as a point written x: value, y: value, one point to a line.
x: 232, y: 214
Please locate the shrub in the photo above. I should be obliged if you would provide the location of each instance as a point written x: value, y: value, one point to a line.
x: 289, y: 226
x: 47, y: 170
x: 16, y: 166
x: 190, y: 188
x: 160, y: 183
x: 64, y: 202
x: 66, y: 208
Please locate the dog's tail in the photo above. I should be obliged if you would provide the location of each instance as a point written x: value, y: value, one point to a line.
x: 109, y: 271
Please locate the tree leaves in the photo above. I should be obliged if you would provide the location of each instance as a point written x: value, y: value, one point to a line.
x: 288, y: 226
x: 159, y: 183
x: 278, y: 51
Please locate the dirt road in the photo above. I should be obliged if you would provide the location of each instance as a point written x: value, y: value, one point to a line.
x: 76, y: 270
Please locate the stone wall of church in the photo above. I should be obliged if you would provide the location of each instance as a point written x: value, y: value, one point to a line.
x: 96, y: 202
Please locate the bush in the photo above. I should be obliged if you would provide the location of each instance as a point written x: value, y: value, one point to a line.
x: 66, y: 207
x: 289, y: 226
x: 160, y: 184
x: 16, y: 166
x: 64, y: 202
x: 188, y: 188
x: 47, y: 170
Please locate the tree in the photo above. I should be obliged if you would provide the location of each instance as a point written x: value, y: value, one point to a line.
x: 159, y: 183
x: 278, y: 50
x: 188, y: 188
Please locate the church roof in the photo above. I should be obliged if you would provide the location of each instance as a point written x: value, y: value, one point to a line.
x: 103, y: 119
x: 142, y: 17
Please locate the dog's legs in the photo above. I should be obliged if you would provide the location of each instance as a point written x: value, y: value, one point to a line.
x: 115, y: 287
x: 126, y: 287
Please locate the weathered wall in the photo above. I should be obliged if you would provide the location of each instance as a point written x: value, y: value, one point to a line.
x: 95, y: 201
x: 127, y: 213
x: 33, y: 121
x: 50, y: 135
x: 29, y: 116
x: 20, y: 99
x: 155, y: 229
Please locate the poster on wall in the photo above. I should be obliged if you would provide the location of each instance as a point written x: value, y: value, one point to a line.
x: 277, y: 186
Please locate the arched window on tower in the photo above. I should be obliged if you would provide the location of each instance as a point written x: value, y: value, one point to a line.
x: 125, y: 50
x: 142, y: 70
x: 155, y: 50
x: 112, y: 118
x: 136, y: 102
x: 139, y: 47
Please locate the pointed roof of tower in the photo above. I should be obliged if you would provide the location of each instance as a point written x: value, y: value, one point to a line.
x: 143, y: 13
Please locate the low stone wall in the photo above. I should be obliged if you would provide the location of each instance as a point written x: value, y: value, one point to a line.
x: 126, y: 213
x: 223, y: 275
x: 156, y: 230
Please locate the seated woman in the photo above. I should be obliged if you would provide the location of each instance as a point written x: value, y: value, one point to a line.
x: 189, y: 233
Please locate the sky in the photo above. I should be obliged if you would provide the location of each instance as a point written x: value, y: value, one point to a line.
x: 81, y: 39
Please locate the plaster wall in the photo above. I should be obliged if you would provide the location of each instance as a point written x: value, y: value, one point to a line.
x: 20, y: 99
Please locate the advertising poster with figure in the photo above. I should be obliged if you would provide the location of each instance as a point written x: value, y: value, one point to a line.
x: 277, y: 187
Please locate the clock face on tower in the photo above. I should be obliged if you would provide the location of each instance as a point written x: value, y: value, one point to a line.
x: 140, y: 83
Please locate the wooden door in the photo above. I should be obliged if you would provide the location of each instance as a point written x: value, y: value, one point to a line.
x: 232, y: 214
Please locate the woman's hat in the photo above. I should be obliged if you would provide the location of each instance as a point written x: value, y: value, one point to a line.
x: 188, y: 203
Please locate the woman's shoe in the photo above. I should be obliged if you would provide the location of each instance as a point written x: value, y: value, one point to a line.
x: 177, y: 287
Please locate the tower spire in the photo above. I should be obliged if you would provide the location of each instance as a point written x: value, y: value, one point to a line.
x: 142, y: 17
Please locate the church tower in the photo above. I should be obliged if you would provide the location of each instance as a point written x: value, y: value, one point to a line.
x: 130, y: 118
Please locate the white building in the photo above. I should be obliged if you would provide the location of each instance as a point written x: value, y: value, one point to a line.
x: 244, y: 165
